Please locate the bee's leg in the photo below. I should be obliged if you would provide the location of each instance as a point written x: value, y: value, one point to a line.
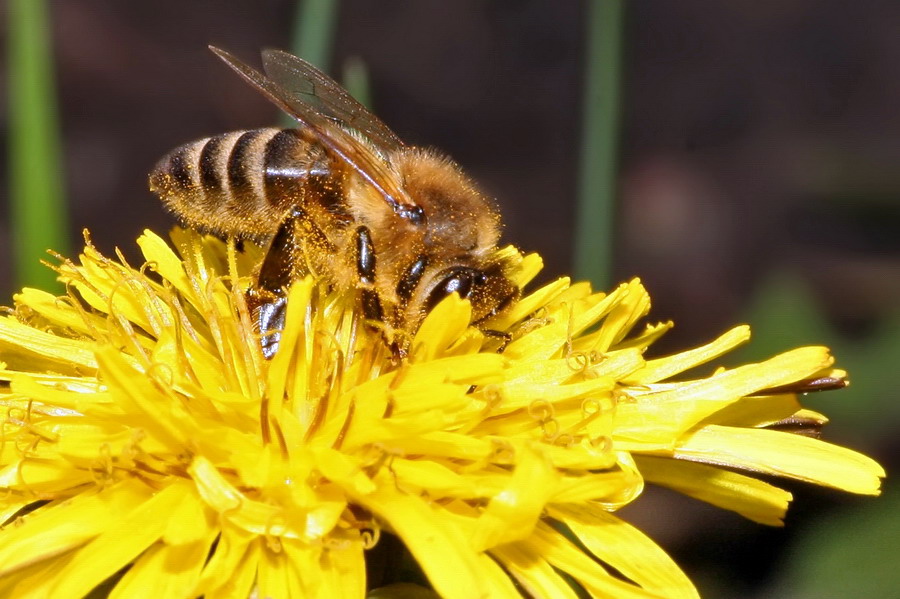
x: 270, y: 315
x: 365, y: 272
x: 283, y: 263
x: 369, y: 301
x: 505, y: 338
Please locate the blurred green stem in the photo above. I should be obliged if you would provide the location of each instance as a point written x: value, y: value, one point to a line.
x: 356, y: 80
x: 314, y: 28
x: 37, y: 206
x: 597, y: 170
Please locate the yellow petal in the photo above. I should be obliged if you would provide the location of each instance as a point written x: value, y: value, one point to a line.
x: 783, y: 454
x: 442, y: 551
x: 630, y: 303
x: 343, y: 470
x: 445, y: 444
x: 294, y: 331
x: 65, y: 526
x: 663, y: 368
x: 527, y: 268
x: 12, y: 505
x: 666, y: 413
x: 166, y: 263
x: 188, y: 523
x: 163, y: 418
x: 59, y: 396
x: 563, y: 555
x: 36, y: 476
x: 643, y: 340
x: 222, y: 496
x: 32, y: 582
x: 754, y: 499
x: 231, y: 570
x: 437, y: 479
x: 277, y: 576
x: 58, y: 311
x: 528, y: 304
x: 496, y: 581
x: 303, y: 568
x: 599, y: 486
x: 164, y: 571
x: 124, y: 539
x: 513, y: 513
x: 626, y: 549
x: 757, y: 411
x: 441, y: 327
x: 536, y: 577
x: 343, y: 571
x: 28, y: 349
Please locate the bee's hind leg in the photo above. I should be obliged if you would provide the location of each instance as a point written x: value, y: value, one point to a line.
x: 284, y: 262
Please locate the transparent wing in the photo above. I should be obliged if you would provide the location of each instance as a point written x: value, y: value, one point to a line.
x: 318, y: 91
x: 317, y: 128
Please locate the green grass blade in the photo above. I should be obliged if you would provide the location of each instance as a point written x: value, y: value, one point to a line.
x: 356, y: 80
x: 37, y: 206
x: 312, y: 37
x: 314, y: 28
x: 597, y: 169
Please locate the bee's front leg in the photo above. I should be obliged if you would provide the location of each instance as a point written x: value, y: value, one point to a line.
x: 365, y: 273
x: 369, y: 301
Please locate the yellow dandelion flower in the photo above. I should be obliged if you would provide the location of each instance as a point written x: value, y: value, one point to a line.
x: 148, y: 444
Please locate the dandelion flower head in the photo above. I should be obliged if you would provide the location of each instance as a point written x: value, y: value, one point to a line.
x: 147, y: 443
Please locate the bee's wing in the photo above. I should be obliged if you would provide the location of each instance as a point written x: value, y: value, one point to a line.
x: 321, y: 130
x: 318, y: 91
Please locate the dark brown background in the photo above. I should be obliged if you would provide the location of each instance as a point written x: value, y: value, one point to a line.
x: 756, y: 137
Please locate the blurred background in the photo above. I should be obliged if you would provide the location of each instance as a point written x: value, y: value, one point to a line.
x: 741, y: 158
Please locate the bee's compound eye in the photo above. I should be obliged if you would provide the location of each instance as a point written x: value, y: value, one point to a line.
x: 460, y: 280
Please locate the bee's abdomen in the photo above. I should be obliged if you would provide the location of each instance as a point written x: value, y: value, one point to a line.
x: 239, y: 183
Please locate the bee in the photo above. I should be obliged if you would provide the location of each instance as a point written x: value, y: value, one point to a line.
x: 343, y: 198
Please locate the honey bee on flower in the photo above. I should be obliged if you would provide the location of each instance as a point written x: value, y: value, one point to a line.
x: 340, y: 197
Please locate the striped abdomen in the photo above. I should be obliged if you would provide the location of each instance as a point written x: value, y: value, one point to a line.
x: 240, y: 183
